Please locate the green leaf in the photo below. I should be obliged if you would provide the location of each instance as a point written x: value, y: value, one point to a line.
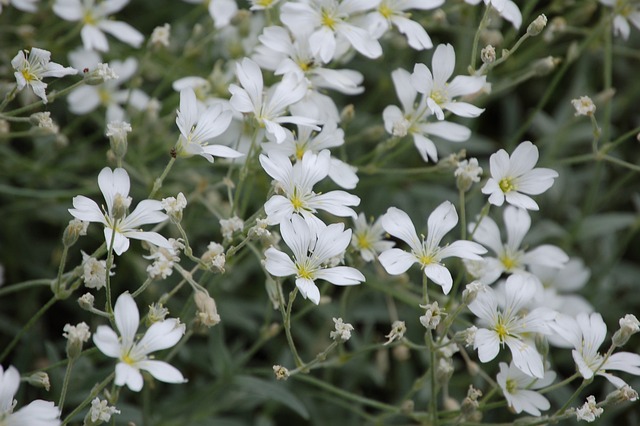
x: 267, y: 390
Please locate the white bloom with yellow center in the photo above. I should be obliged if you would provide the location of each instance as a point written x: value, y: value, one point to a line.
x: 36, y: 413
x: 506, y: 8
x: 426, y: 251
x: 32, y: 66
x: 625, y: 12
x: 133, y: 355
x: 511, y: 324
x: 313, y: 247
x: 368, y: 238
x: 514, y: 176
x: 519, y: 389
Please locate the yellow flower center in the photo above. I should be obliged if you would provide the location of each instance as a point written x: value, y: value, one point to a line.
x: 507, y: 185
x: 304, y: 272
x: 105, y: 96
x: 512, y: 386
x: 385, y: 10
x: 363, y: 241
x: 89, y: 19
x: 264, y: 3
x: 127, y: 359
x: 328, y: 20
x: 28, y: 75
x: 300, y: 150
x: 439, y: 97
x: 425, y: 260
x: 508, y: 262
x: 501, y: 330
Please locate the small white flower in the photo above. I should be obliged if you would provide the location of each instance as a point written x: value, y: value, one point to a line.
x: 398, y: 328
x: 114, y: 185
x: 198, y: 128
x: 38, y: 412
x: 133, y: 355
x: 514, y: 176
x: 342, y: 331
x: 215, y: 257
x: 94, y: 272
x: 432, y: 316
x: 32, y: 66
x: 518, y: 389
x: 590, y: 411
x: 467, y: 172
x: 78, y: 332
x: 118, y: 129
x: 101, y: 411
x: 312, y: 247
x: 440, y: 93
x: 584, y: 106
x: 231, y: 225
x: 95, y: 17
x: 368, y: 238
x: 426, y: 251
x: 174, y: 205
x: 160, y: 35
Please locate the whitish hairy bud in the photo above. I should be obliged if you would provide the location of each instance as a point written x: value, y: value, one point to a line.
x: 347, y: 114
x: 259, y: 231
x: 467, y: 172
x: 488, y: 54
x: 589, y: 411
x: 231, y: 225
x: 398, y: 328
x: 43, y: 121
x: 584, y: 106
x: 444, y: 370
x: 157, y: 313
x: 207, y: 311
x: 537, y: 25
x: 629, y: 325
x: 174, y: 207
x: 74, y: 230
x: 466, y: 337
x: 86, y: 301
x: 342, y: 331
x: 214, y: 257
x: 470, y: 403
x: 471, y: 291
x: 76, y: 336
x: 94, y: 272
x: 40, y: 380
x: 117, y: 133
x: 432, y: 316
x: 623, y: 394
x: 120, y: 206
x: 100, y: 412
x: 160, y: 35
x: 280, y: 372
x: 545, y: 66
x: 99, y: 75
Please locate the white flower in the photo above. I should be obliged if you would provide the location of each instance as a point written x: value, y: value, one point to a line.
x: 101, y: 411
x: 427, y: 251
x: 467, y: 172
x: 368, y: 238
x: 221, y: 11
x: 32, y: 66
x: 589, y: 411
x: 327, y: 23
x: 513, y: 176
x: 174, y: 206
x: 297, y: 181
x: 393, y: 12
x: 507, y: 9
x: 134, y: 356
x: 586, y: 333
x: 439, y: 92
x: 268, y: 109
x: 342, y: 331
x: 114, y: 185
x: 198, y: 128
x: 517, y: 389
x: 510, y: 258
x: 231, y: 225
x: 23, y: 5
x: 160, y: 35
x: 312, y: 248
x: 94, y: 271
x: 432, y: 316
x: 79, y: 333
x: 413, y: 119
x: 95, y: 18
x: 511, y: 325
x: 584, y: 106
x: 36, y: 413
x: 398, y: 328
x: 624, y: 12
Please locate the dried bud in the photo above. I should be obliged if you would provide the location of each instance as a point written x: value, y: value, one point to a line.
x: 86, y: 301
x: 342, y: 331
x: 281, y: 372
x: 584, y: 106
x: 488, y: 54
x: 537, y: 25
x: 471, y: 291
x: 398, y: 328
x: 466, y: 173
x: 432, y: 316
x: 99, y: 75
x: 174, y: 207
x: 623, y: 394
x: 117, y: 133
x: 160, y: 35
x: 40, y: 380
x: 207, y: 311
x: 545, y: 66
x: 76, y: 336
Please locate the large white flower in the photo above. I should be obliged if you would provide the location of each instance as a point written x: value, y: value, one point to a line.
x: 95, y: 17
x: 518, y: 389
x: 393, y: 12
x: 114, y: 185
x: 510, y: 257
x: 511, y: 324
x: 413, y: 119
x: 31, y: 69
x: 427, y: 252
x: 198, y: 127
x: 23, y: 5
x: 514, y: 176
x: 221, y: 11
x: 296, y: 182
x: 440, y: 93
x: 327, y: 23
x: 368, y: 238
x: 36, y: 413
x: 269, y: 110
x: 585, y: 334
x: 507, y: 9
x: 313, y: 248
x: 134, y: 356
x: 625, y: 12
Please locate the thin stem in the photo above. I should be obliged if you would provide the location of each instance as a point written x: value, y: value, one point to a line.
x: 25, y: 285
x: 286, y: 315
x: 50, y: 99
x: 63, y: 260
x: 463, y: 215
x: 109, y: 306
x: 305, y: 368
x: 142, y: 288
x: 483, y: 213
x: 65, y: 384
x: 96, y: 390
x: 157, y: 184
x: 476, y: 38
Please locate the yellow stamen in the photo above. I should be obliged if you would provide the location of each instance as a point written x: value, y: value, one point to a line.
x: 363, y: 241
x: 385, y: 11
x: 328, y: 20
x: 507, y: 185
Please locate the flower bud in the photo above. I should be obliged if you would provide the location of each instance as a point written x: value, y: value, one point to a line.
x: 207, y: 310
x: 117, y: 134
x: 623, y: 394
x: 584, y: 106
x: 629, y: 326
x: 76, y: 336
x: 471, y: 291
x: 537, y: 25
x: 40, y: 380
x: 120, y: 206
x: 545, y: 66
x: 99, y: 75
x: 86, y: 301
x: 73, y: 231
x: 347, y: 114
x: 398, y: 328
x: 174, y: 207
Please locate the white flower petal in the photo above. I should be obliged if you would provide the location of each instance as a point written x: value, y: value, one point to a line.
x: 127, y: 318
x: 107, y: 341
x: 129, y: 376
x: 396, y: 261
x: 162, y: 371
x: 341, y: 275
x: 308, y: 289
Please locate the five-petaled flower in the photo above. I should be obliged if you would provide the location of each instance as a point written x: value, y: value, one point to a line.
x: 31, y: 69
x: 114, y: 185
x: 133, y: 355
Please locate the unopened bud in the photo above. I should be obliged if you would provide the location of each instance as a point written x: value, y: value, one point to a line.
x: 545, y: 66
x: 120, y: 206
x: 207, y: 310
x: 537, y: 25
x: 347, y: 114
x: 76, y: 335
x: 629, y: 326
x: 86, y: 301
x: 40, y: 380
x: 542, y: 345
x: 471, y: 291
x: 623, y: 394
x: 117, y: 134
x: 73, y: 231
x: 407, y: 406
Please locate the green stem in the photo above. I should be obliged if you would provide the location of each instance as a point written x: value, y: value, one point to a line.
x: 63, y: 260
x: 65, y: 384
x: 286, y: 315
x: 476, y: 37
x: 109, y: 306
x: 25, y: 285
x: 305, y: 368
x: 157, y: 184
x: 26, y: 327
x: 483, y: 213
x: 94, y: 392
x: 50, y: 99
x: 463, y: 215
x: 142, y: 288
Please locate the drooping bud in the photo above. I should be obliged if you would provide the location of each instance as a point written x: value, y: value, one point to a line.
x: 207, y: 310
x: 40, y: 380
